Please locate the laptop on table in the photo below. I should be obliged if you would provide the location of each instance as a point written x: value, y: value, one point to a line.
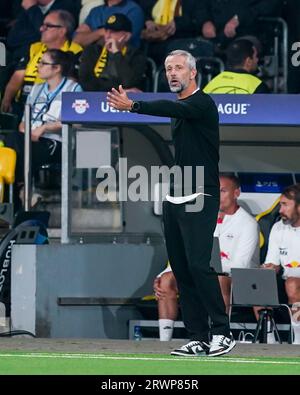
x: 254, y: 287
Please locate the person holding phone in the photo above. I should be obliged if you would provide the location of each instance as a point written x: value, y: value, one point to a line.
x: 109, y: 63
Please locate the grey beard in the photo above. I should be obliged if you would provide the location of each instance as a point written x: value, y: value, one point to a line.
x: 289, y: 221
x: 176, y: 89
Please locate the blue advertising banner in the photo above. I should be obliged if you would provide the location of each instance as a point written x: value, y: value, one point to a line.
x: 82, y: 107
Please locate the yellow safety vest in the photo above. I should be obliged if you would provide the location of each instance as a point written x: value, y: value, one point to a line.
x: 231, y: 82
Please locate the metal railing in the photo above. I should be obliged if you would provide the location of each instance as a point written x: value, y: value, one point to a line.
x: 27, y: 159
x: 280, y: 53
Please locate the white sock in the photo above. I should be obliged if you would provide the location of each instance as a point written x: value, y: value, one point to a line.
x: 296, y: 329
x: 271, y: 338
x: 165, y: 329
x: 270, y: 335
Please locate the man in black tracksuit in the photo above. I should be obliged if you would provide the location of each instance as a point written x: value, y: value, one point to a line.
x: 190, y: 215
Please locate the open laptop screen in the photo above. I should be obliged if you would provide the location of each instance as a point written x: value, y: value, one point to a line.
x: 254, y: 287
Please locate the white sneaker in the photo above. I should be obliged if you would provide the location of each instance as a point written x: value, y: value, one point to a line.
x: 194, y: 348
x: 220, y: 345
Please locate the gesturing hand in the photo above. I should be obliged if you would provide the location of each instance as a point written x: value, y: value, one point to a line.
x: 111, y: 45
x: 118, y: 99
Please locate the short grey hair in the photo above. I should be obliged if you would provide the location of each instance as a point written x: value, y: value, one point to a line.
x: 67, y: 20
x: 191, y: 61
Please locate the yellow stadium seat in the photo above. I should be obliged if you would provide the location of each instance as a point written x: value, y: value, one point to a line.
x: 7, y: 169
x: 266, y: 220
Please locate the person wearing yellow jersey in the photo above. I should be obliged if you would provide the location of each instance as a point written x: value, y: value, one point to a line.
x: 56, y: 32
x: 104, y: 66
x: 167, y: 20
x: 239, y: 78
x: 30, y: 15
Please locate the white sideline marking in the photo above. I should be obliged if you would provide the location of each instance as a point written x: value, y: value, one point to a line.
x: 194, y: 359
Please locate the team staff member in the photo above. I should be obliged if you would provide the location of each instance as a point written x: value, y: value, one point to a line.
x: 242, y: 60
x: 284, y: 251
x: 190, y: 216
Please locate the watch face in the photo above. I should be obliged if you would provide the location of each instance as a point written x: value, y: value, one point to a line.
x: 136, y: 106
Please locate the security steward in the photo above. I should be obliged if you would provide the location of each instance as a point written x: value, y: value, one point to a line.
x: 242, y: 61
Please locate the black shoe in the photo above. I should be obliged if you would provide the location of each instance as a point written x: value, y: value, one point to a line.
x: 192, y: 349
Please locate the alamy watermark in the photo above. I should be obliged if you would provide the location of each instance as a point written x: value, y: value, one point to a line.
x: 295, y: 59
x: 136, y: 183
x: 2, y: 55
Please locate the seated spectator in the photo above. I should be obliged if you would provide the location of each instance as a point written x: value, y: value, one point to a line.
x: 56, y: 30
x: 239, y: 78
x: 92, y: 30
x: 284, y: 251
x: 6, y: 15
x: 103, y: 67
x: 169, y: 20
x: 224, y: 20
x: 26, y: 29
x: 86, y: 7
x: 238, y: 235
x: 45, y: 99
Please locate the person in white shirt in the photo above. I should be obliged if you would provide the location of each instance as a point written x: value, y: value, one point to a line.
x: 284, y: 251
x: 45, y: 100
x: 238, y: 234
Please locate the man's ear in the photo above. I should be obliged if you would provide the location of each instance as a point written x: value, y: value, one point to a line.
x: 247, y: 63
x: 63, y: 32
x: 193, y: 74
x: 128, y: 36
x: 237, y: 193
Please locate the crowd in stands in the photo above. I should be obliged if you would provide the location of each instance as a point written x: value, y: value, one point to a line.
x: 72, y: 45
x: 207, y: 28
x: 115, y: 42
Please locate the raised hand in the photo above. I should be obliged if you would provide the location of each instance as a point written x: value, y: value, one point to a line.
x: 209, y: 30
x: 118, y: 99
x: 230, y: 27
x: 111, y: 45
x: 28, y: 3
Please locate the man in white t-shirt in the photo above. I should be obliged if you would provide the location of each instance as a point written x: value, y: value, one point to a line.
x: 284, y: 250
x: 238, y: 233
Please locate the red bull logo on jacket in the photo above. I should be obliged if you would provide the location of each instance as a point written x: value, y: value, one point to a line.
x: 293, y: 264
x: 224, y: 255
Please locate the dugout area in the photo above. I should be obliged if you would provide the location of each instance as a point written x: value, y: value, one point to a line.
x: 102, y: 258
